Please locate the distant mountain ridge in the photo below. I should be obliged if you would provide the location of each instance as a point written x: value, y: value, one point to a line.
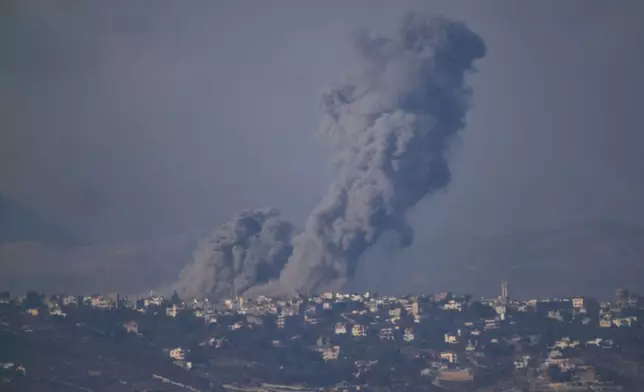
x: 19, y: 223
x: 592, y: 258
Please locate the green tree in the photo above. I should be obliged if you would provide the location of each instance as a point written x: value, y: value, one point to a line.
x: 175, y: 300
x: 33, y: 300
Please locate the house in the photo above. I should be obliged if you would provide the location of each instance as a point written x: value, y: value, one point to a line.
x: 456, y: 375
x: 451, y: 339
x: 171, y: 311
x: 565, y: 343
x: 131, y: 326
x: 491, y: 324
x: 412, y: 308
x: 449, y: 356
x: 605, y: 322
x: 330, y: 353
x: 358, y: 330
x: 555, y: 315
x: 236, y: 326
x: 625, y: 321
x: 522, y: 362
x: 33, y: 312
x: 578, y: 303
x: 452, y: 305
x: 340, y: 329
x: 56, y: 311
x: 500, y: 310
x: 178, y: 354
x: 594, y: 342
x: 386, y: 334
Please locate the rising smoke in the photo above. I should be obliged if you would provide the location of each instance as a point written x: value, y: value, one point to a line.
x: 250, y: 249
x: 392, y: 129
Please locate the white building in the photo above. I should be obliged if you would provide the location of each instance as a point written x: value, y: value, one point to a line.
x: 178, y: 354
x: 358, y: 330
x: 450, y: 356
x: 451, y: 339
x: 330, y: 353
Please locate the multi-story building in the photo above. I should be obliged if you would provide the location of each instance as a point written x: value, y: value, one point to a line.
x: 386, y: 334
x: 449, y: 356
x: 330, y: 353
x: 578, y: 302
x: 280, y: 321
x: 451, y: 339
x: 177, y: 354
x: 358, y: 330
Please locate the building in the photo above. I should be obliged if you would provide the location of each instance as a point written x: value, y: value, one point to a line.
x: 386, y: 334
x: 178, y: 354
x: 452, y: 305
x: 131, y: 326
x: 33, y: 312
x: 578, y: 303
x: 500, y: 311
x: 449, y: 356
x: 522, y: 362
x: 408, y: 335
x: 330, y: 353
x: 280, y: 321
x: 413, y: 308
x: 624, y: 321
x: 358, y: 330
x: 605, y: 322
x: 451, y: 339
x: 340, y: 329
x: 171, y: 311
x: 456, y: 375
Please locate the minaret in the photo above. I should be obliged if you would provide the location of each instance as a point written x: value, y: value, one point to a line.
x: 504, y: 292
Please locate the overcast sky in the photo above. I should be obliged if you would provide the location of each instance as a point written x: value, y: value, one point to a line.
x: 142, y: 119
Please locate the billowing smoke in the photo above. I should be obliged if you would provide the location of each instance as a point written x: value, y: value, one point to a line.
x: 250, y: 249
x: 392, y: 128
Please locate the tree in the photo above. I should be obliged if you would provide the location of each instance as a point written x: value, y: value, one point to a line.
x: 556, y: 375
x: 33, y: 300
x: 175, y: 300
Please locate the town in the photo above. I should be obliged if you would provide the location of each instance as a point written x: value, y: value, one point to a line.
x: 334, y: 341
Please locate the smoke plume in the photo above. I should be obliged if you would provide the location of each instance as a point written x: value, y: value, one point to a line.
x: 250, y: 249
x: 392, y: 128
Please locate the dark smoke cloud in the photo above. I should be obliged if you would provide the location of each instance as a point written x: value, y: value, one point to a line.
x: 250, y: 249
x: 391, y: 128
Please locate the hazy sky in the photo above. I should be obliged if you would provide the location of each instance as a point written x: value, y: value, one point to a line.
x: 140, y: 119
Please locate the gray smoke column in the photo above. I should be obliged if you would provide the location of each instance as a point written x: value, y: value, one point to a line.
x: 250, y: 249
x: 392, y: 129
